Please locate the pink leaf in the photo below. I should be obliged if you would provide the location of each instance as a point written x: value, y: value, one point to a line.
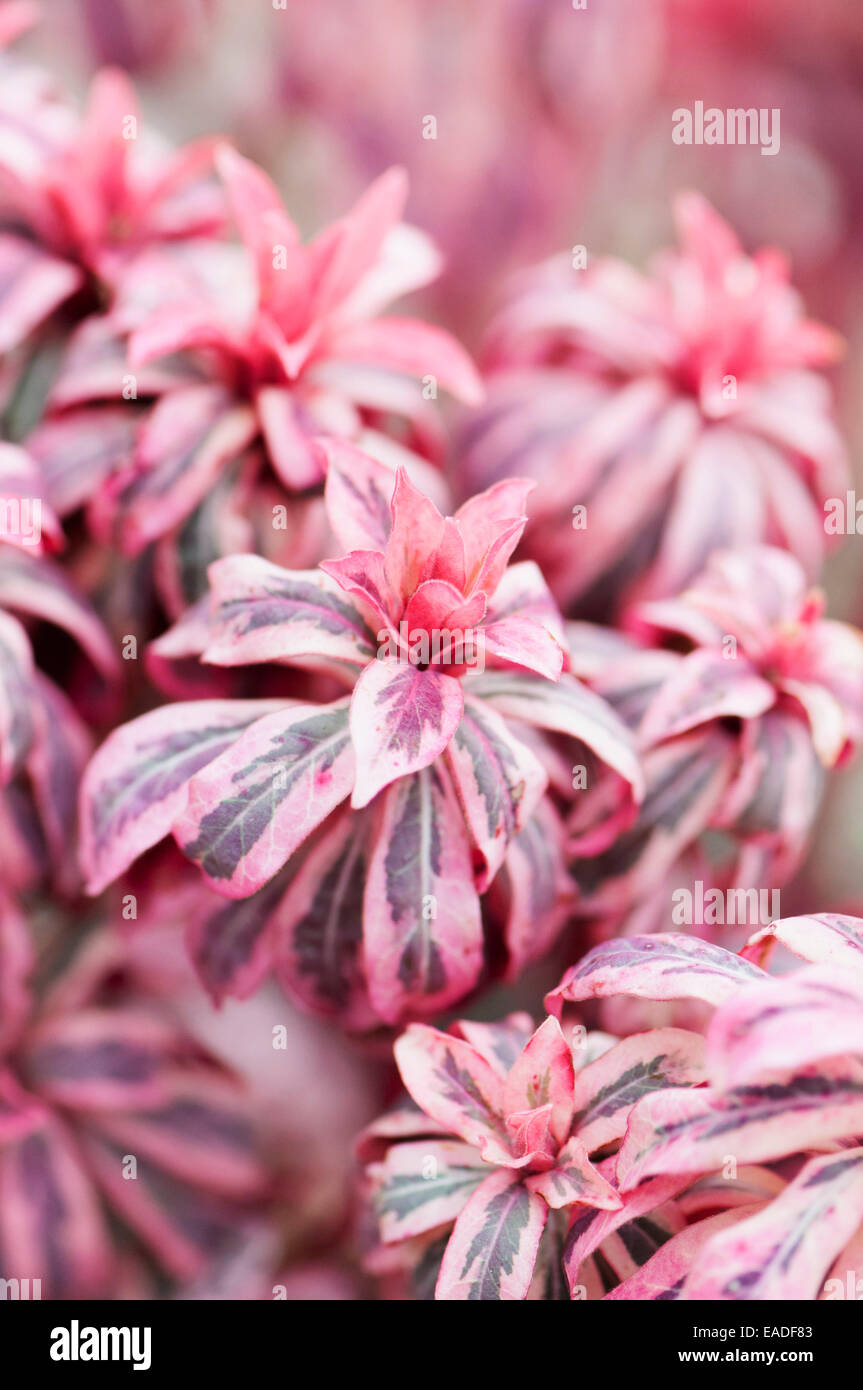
x: 422, y: 928
x: 231, y: 944
x: 189, y: 437
x: 411, y: 347
x: 522, y: 642
x: 355, y: 243
x: 201, y: 1132
x: 705, y: 686
x: 499, y: 782
x: 16, y: 682
x: 248, y: 811
x: 573, y: 1179
x: 499, y: 1043
x: 782, y: 1025
x: 824, y: 938
x: 606, y: 1090
x: 694, y: 1130
x: 261, y: 612
x: 317, y: 926
x: 542, y: 1075
x: 665, y: 965
x: 17, y: 959
x: 566, y: 707
x: 453, y: 1084
x: 34, y: 285
x: 782, y: 1252
x: 424, y: 1185
x: 57, y: 1229
x: 402, y: 718
x: 491, y: 524
x: 295, y: 459
x: 137, y: 782
x: 491, y: 1254
x: 664, y: 1274
x: 592, y: 1226
x: 358, y: 494
x: 102, y: 1059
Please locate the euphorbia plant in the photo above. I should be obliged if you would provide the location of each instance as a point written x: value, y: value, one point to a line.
x: 784, y: 1089
x: 44, y: 743
x: 112, y: 1117
x: 297, y: 346
x: 82, y: 197
x: 448, y: 767
x: 691, y: 392
x: 241, y: 355
x: 684, y: 1166
x: 735, y: 730
x: 499, y: 1145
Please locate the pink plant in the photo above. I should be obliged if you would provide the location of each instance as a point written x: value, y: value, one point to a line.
x: 82, y: 198
x: 446, y: 766
x: 495, y: 1146
x: 690, y: 393
x: 240, y: 356
x: 665, y: 1165
x: 94, y: 1077
x: 760, y: 643
x: 44, y: 742
x: 783, y: 1072
x: 735, y: 733
x: 297, y: 346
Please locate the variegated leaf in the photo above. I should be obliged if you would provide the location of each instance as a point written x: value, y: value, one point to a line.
x: 318, y: 925
x: 824, y: 938
x: 423, y: 943
x: 500, y: 1043
x: 543, y: 1074
x: 248, y: 811
x: 189, y: 437
x: 32, y: 285
x: 574, y: 1179
x: 665, y: 965
x: 41, y: 588
x: 702, y: 687
x: 79, y: 449
x: 606, y: 1090
x: 534, y: 888
x: 663, y: 1277
x: 52, y: 1223
x: 424, y: 1185
x: 101, y: 1059
x: 358, y: 494
x: 785, y: 1024
x: 498, y: 779
x: 17, y: 959
x: 137, y: 783
x: 696, y: 1131
x: 492, y: 1251
x: 566, y: 707
x: 686, y: 779
x: 26, y: 519
x: 200, y: 1131
x: 402, y: 718
x: 261, y: 612
x: 231, y: 944
x: 784, y: 1251
x: 185, y: 1227
x: 55, y: 764
x: 453, y: 1084
x: 592, y: 1226
x: 16, y: 693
